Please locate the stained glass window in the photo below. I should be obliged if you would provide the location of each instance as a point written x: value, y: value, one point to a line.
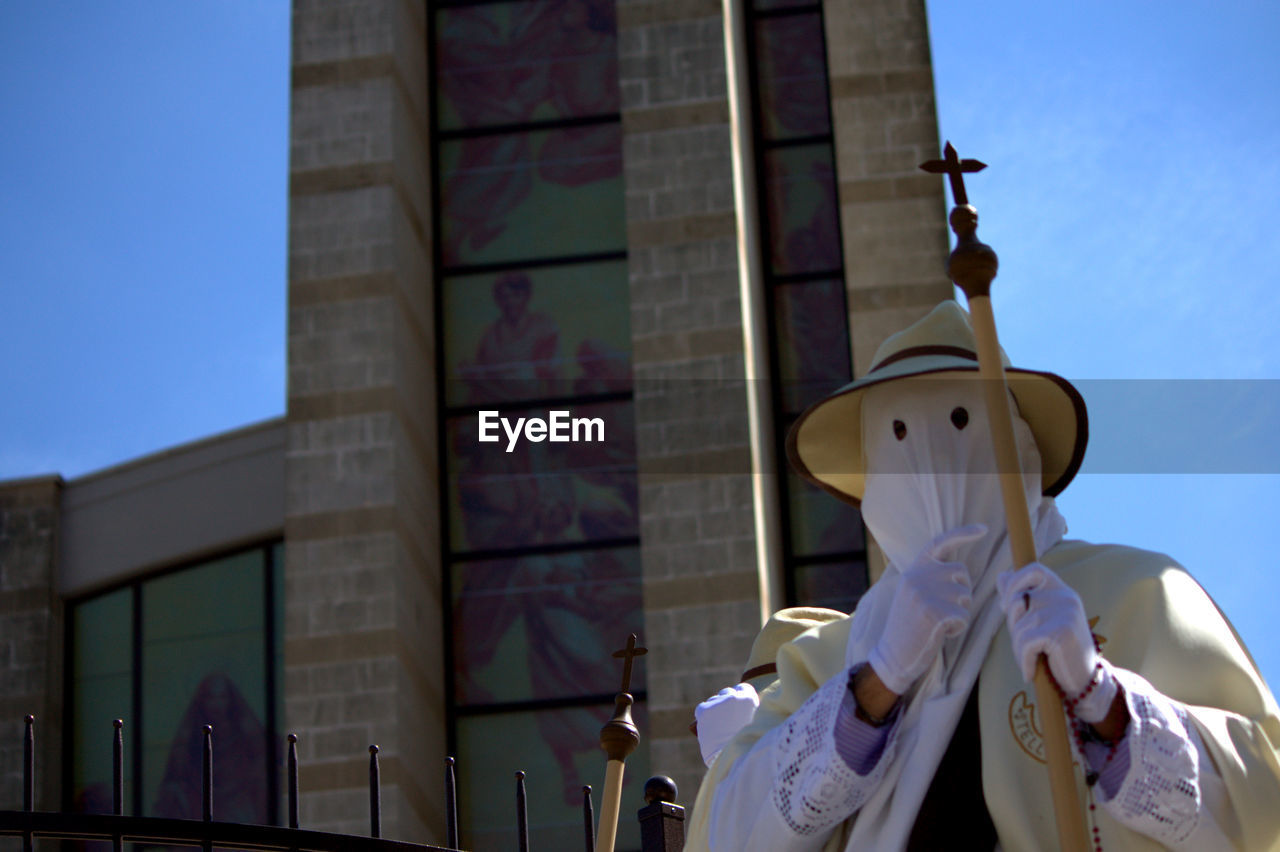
x: 102, y: 690
x: 534, y: 317
x: 536, y: 334
x: 204, y: 663
x: 824, y: 542
x: 501, y: 64
x: 793, y: 76
x: 540, y: 627
x: 200, y: 634
x: 522, y: 196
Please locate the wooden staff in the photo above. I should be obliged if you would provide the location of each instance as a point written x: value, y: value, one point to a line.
x: 619, y: 737
x: 972, y: 266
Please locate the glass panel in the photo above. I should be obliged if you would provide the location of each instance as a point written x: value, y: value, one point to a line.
x: 543, y: 626
x: 803, y: 220
x: 793, y: 77
x: 531, y: 195
x: 102, y: 686
x: 551, y: 332
x: 511, y: 63
x: 545, y: 492
x: 813, y: 341
x: 820, y: 523
x: 560, y: 752
x: 205, y: 664
x: 835, y: 585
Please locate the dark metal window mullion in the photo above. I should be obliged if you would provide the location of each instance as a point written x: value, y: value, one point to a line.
x: 542, y: 704
x: 462, y: 556
x: 539, y: 403
x: 135, y: 739
x: 539, y: 126
x: 797, y: 141
x: 532, y: 263
x: 442, y: 438
x: 269, y: 643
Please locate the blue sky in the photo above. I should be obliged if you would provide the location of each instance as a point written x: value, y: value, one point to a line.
x: 1132, y: 195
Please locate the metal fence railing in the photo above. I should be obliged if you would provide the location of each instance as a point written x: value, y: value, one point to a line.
x: 661, y: 822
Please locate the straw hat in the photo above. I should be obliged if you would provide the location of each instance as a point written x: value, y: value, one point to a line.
x: 783, y: 626
x: 825, y: 443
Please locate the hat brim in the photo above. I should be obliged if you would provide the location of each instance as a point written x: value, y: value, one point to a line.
x: 825, y: 444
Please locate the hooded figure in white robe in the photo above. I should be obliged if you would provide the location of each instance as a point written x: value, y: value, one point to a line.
x: 1175, y: 732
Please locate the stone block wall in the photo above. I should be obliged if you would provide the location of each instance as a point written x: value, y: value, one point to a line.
x: 31, y: 631
x: 363, y: 662
x: 893, y: 215
x: 702, y: 587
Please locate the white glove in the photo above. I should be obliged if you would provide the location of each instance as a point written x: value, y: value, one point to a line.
x: 1045, y: 616
x: 930, y: 605
x: 722, y: 715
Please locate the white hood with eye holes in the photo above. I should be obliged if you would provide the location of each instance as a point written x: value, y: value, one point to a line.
x: 931, y: 468
x: 927, y: 476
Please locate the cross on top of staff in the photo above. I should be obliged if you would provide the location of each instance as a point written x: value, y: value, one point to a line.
x: 954, y: 168
x: 628, y: 654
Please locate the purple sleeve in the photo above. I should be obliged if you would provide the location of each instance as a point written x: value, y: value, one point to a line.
x: 860, y: 744
x: 1110, y: 772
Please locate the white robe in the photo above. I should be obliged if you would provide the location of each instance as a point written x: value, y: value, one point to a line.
x: 780, y: 786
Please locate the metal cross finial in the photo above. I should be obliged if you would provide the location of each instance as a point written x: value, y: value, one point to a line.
x: 628, y: 654
x: 954, y: 168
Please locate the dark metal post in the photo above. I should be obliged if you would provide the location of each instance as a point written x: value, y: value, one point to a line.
x: 117, y: 779
x: 375, y: 795
x: 117, y: 769
x: 29, y: 766
x: 208, y: 782
x: 522, y: 814
x: 293, y: 780
x: 588, y: 819
x: 450, y: 804
x: 28, y: 775
x: 661, y: 821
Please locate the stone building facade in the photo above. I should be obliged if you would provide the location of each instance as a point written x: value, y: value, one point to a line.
x: 357, y: 481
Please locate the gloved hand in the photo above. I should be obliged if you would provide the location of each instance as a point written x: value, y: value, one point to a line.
x: 1045, y: 616
x: 722, y: 715
x: 931, y: 604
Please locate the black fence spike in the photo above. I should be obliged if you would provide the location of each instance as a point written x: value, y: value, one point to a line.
x: 28, y: 775
x: 208, y: 782
x: 375, y: 795
x: 522, y: 814
x: 117, y: 779
x: 29, y: 765
x: 588, y: 819
x: 450, y: 803
x: 117, y: 768
x: 292, y: 780
x: 207, y: 786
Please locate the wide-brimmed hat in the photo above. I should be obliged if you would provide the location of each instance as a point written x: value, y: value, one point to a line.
x: 783, y: 626
x: 825, y: 443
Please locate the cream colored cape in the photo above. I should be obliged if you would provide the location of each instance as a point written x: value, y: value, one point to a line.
x: 1152, y: 619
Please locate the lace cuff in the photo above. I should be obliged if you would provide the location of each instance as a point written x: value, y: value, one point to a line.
x: 1160, y: 794
x: 816, y: 788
